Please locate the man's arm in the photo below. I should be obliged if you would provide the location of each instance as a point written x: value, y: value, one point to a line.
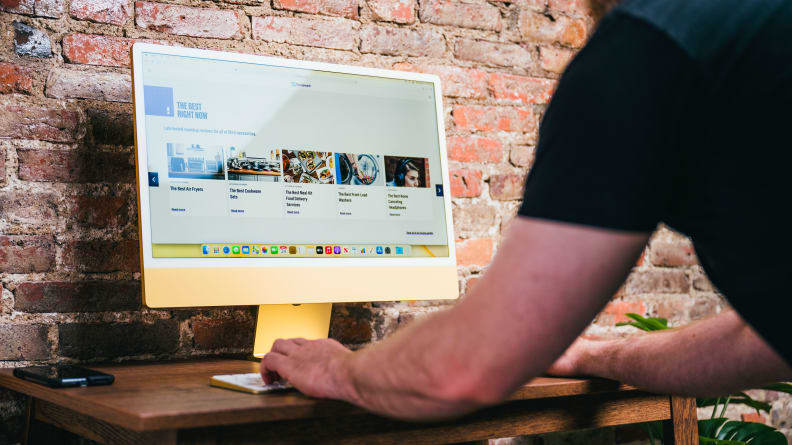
x: 545, y: 285
x: 712, y: 357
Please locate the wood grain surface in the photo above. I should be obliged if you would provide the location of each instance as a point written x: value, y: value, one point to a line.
x: 163, y: 396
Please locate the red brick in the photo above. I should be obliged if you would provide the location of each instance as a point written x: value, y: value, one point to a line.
x: 111, y: 127
x: 475, y: 218
x: 540, y: 27
x: 555, y: 60
x: 528, y: 90
x: 474, y: 252
x: 471, y: 283
x: 26, y: 254
x: 81, y: 296
x: 221, y: 334
x: 334, y: 33
x: 44, y: 165
x: 24, y: 342
x: 397, y: 11
x: 572, y: 7
x: 465, y: 183
x: 494, y: 119
x: 15, y: 79
x: 22, y: 120
x: 73, y: 84
x: 111, y: 340
x: 462, y: 15
x: 522, y: 156
x: 39, y: 8
x: 97, y: 50
x: 24, y: 207
x: 668, y: 254
x: 401, y: 41
x: 351, y: 323
x: 492, y: 53
x: 100, y: 211
x: 506, y: 186
x: 102, y: 255
x: 474, y: 149
x: 188, y: 21
x: 116, y: 12
x: 455, y: 81
x: 615, y: 311
x: 657, y: 281
x: 753, y: 417
x: 343, y: 8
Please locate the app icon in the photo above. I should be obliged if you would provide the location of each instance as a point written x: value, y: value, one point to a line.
x: 346, y: 250
x: 319, y: 250
x: 337, y: 250
x: 226, y: 250
x: 215, y: 250
x: 301, y: 250
x: 354, y: 251
x: 284, y: 249
x: 362, y: 250
x: 235, y: 250
x: 379, y: 250
x: 329, y: 250
x: 274, y: 250
x: 399, y: 250
x: 245, y: 250
x: 387, y: 250
x: 205, y: 249
x: 292, y: 250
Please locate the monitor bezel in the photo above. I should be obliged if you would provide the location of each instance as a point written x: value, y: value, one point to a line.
x: 141, y: 154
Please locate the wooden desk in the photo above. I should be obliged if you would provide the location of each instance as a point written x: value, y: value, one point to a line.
x: 170, y: 403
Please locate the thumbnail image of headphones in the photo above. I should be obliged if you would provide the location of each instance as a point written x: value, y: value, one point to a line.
x: 407, y: 172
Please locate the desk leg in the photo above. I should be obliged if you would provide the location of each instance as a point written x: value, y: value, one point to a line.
x: 682, y: 427
x: 28, y: 420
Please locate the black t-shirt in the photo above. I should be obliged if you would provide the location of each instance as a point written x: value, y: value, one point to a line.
x: 680, y: 111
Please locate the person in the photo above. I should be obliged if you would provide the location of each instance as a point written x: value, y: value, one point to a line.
x: 675, y: 111
x: 406, y: 174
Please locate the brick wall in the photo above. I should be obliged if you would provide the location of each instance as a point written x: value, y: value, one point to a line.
x: 68, y: 237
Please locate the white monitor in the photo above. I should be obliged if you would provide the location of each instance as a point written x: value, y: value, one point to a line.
x: 272, y: 181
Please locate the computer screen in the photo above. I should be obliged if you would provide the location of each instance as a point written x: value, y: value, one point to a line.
x: 248, y: 161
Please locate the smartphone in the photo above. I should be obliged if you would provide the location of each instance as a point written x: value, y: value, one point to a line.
x: 63, y: 376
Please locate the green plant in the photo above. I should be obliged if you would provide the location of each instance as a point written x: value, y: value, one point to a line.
x: 718, y: 430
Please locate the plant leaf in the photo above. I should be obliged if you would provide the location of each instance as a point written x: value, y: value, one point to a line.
x: 708, y: 441
x: 780, y: 387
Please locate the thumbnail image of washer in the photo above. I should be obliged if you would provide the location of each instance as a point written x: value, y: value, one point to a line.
x: 195, y: 161
x: 359, y: 169
x: 308, y: 167
x: 407, y: 171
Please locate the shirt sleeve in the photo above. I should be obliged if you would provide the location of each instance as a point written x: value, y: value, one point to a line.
x: 608, y: 152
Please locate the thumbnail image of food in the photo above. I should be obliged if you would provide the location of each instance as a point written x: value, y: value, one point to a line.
x: 308, y: 167
x: 195, y: 161
x: 250, y: 165
x: 407, y: 171
x: 359, y: 169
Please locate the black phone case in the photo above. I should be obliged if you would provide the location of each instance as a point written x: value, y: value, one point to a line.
x: 54, y: 382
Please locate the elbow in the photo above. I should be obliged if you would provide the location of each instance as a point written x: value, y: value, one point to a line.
x: 471, y: 389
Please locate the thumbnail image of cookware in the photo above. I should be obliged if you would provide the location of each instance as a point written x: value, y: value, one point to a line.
x: 308, y: 167
x: 195, y: 161
x: 359, y: 169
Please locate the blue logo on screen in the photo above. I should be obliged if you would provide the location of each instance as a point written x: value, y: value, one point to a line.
x: 226, y: 250
x: 158, y: 101
x: 379, y: 250
x: 245, y: 250
x: 399, y: 250
x: 205, y: 250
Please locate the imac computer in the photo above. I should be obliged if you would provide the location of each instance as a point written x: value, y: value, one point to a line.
x: 288, y: 184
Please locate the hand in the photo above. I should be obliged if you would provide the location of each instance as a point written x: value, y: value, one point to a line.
x: 318, y: 368
x: 572, y: 362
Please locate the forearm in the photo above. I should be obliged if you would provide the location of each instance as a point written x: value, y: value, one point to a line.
x: 709, y: 358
